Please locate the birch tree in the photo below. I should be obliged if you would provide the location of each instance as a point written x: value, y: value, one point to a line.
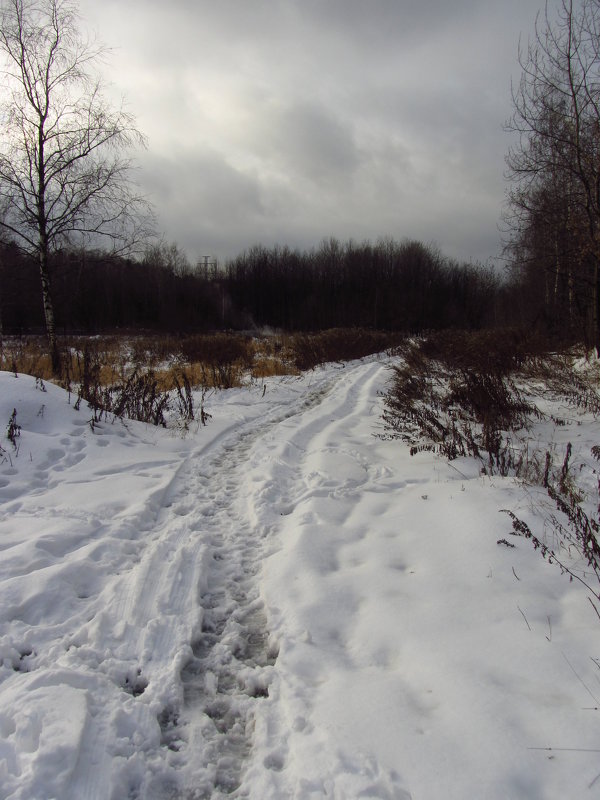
x: 65, y: 168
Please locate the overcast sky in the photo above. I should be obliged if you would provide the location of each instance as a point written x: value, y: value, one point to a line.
x: 288, y: 121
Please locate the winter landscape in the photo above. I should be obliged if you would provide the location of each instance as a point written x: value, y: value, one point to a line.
x: 299, y: 400
x: 284, y: 603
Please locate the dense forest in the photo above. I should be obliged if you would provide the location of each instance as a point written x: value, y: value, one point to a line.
x: 404, y: 286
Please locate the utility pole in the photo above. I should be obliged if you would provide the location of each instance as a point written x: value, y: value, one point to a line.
x: 208, y: 262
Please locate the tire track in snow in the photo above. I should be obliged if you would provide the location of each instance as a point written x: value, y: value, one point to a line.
x: 229, y: 667
x: 184, y: 619
x: 233, y: 656
x: 317, y: 431
x: 135, y: 635
x: 311, y: 456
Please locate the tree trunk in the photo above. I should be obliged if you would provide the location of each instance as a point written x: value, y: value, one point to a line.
x: 44, y: 247
x: 49, y: 312
x: 596, y: 308
x: 1, y: 284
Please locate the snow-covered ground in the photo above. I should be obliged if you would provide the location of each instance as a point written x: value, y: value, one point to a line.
x: 282, y: 604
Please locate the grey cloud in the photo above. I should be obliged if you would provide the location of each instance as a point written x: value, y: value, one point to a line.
x: 291, y: 120
x: 204, y: 200
x: 307, y: 141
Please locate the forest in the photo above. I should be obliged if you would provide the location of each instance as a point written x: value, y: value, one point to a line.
x: 404, y: 286
x: 401, y: 286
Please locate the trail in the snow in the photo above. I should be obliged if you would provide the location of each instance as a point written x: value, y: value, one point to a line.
x: 232, y: 654
x: 172, y: 635
x: 242, y: 494
x: 177, y: 639
x: 316, y: 470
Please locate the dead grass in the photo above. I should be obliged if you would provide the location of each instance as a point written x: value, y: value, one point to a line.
x: 220, y: 360
x: 30, y: 357
x: 271, y: 367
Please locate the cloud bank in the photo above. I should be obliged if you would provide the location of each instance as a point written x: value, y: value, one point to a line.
x: 287, y: 121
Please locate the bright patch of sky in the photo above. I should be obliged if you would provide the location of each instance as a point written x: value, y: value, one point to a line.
x: 293, y: 121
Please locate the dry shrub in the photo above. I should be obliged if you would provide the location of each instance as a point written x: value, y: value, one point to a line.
x: 219, y: 360
x: 273, y: 355
x: 455, y: 394
x: 219, y: 348
x: 223, y: 359
x: 575, y: 530
x: 339, y: 344
x: 137, y: 396
x: 269, y: 367
x: 274, y: 346
x: 168, y: 376
x: 140, y: 397
x: 554, y: 373
x: 151, y: 351
x: 493, y: 352
x: 29, y: 356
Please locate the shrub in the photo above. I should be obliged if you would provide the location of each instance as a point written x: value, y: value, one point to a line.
x: 573, y: 527
x: 454, y: 394
x: 137, y: 396
x: 140, y: 398
x: 339, y: 344
x: 13, y: 430
x: 459, y: 395
x: 223, y: 358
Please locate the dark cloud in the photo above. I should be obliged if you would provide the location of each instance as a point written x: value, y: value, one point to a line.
x: 204, y: 201
x: 292, y: 120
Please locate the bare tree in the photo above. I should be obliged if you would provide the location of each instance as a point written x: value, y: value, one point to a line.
x: 555, y: 163
x: 169, y: 257
x: 64, y: 171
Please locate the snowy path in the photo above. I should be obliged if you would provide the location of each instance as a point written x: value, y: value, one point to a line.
x: 139, y: 630
x: 280, y: 605
x: 232, y: 652
x: 319, y: 470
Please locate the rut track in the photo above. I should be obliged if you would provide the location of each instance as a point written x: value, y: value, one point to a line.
x: 232, y: 654
x: 185, y: 630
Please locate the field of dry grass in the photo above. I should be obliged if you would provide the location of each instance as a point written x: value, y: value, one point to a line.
x: 219, y: 360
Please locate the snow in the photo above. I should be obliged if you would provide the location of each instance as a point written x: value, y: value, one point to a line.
x: 282, y: 604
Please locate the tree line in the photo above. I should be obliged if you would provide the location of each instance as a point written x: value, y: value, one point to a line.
x: 388, y: 285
